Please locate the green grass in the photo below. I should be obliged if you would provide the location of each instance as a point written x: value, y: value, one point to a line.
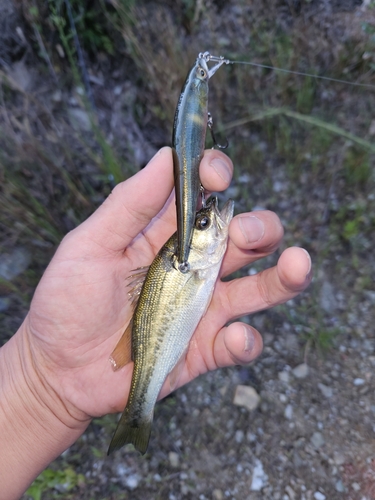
x: 55, y: 481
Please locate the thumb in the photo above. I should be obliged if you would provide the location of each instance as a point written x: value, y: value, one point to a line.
x: 132, y: 204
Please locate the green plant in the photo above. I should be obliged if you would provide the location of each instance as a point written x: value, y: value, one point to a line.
x: 59, y: 480
x: 356, y: 165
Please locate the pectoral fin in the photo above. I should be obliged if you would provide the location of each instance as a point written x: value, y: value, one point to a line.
x: 122, y: 353
x: 136, y: 281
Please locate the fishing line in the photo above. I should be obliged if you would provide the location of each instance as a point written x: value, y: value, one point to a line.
x: 258, y: 65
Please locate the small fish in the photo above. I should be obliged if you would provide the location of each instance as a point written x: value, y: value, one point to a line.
x: 189, y: 136
x: 169, y: 308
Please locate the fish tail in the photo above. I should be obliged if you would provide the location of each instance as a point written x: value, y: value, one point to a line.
x: 131, y: 430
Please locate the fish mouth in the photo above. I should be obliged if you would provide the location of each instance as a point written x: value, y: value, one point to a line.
x: 225, y: 215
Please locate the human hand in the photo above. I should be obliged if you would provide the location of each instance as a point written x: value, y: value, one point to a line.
x: 80, y: 308
x: 55, y: 372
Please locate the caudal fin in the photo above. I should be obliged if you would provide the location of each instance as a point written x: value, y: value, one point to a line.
x: 133, y: 431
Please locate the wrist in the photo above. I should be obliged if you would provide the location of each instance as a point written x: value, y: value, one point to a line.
x: 36, y: 425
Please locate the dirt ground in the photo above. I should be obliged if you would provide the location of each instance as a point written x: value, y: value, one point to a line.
x: 311, y: 432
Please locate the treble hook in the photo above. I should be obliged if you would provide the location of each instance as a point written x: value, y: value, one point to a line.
x: 203, y: 197
x: 210, y: 124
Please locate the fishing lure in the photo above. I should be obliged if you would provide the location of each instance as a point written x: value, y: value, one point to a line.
x: 189, y: 136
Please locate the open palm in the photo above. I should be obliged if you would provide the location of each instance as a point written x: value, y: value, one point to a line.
x: 81, y: 308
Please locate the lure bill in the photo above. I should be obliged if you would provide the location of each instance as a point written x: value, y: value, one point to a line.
x: 169, y: 308
x: 189, y: 135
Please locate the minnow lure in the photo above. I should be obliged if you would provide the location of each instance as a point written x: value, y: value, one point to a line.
x: 189, y: 135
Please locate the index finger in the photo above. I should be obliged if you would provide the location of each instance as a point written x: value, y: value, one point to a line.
x: 252, y: 236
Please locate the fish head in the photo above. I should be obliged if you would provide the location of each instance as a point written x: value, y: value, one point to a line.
x: 201, y: 69
x: 210, y: 234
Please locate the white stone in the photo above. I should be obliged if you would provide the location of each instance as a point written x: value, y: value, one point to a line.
x: 246, y: 396
x: 358, y: 381
x: 326, y: 390
x: 217, y: 494
x: 317, y: 440
x: 356, y: 486
x: 319, y: 496
x: 339, y: 486
x: 239, y: 436
x: 284, y: 377
x: 288, y: 413
x: 174, y: 459
x: 131, y: 481
x: 259, y: 478
x: 290, y: 492
x: 301, y: 371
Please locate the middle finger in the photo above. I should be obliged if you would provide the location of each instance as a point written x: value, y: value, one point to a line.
x: 252, y: 236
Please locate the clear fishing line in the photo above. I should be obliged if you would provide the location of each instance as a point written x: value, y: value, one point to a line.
x: 299, y: 73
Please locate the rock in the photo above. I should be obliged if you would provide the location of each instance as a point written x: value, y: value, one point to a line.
x: 317, y: 439
x: 79, y: 119
x: 301, y: 371
x: 131, y: 482
x: 174, y: 459
x: 251, y: 437
x: 246, y: 396
x: 326, y: 390
x: 319, y: 496
x: 13, y: 264
x: 339, y: 486
x: 217, y: 494
x: 284, y: 377
x: 288, y: 413
x: 239, y: 436
x: 358, y: 381
x: 338, y: 458
x: 259, y: 478
x: 369, y: 294
x: 327, y: 299
x: 356, y: 486
x: 22, y: 75
x: 57, y: 96
x: 290, y: 492
x: 121, y: 470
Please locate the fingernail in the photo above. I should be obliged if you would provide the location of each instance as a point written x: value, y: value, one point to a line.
x: 249, y: 339
x: 222, y: 169
x: 252, y: 228
x: 309, y: 270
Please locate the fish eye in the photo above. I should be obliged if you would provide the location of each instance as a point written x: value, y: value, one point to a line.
x: 202, y: 72
x: 202, y: 222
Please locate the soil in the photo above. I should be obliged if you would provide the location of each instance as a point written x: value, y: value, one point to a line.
x: 311, y: 435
